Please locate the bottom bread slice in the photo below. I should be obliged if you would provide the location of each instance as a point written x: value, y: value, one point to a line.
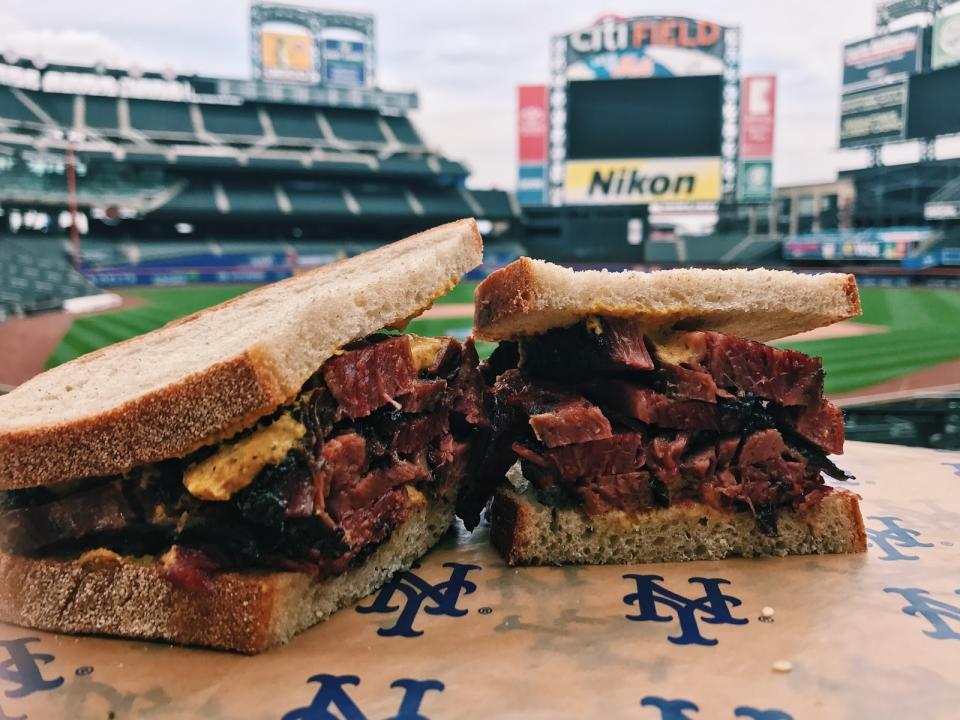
x: 528, y: 532
x: 247, y: 612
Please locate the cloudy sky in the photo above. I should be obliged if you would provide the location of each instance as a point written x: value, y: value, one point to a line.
x: 466, y: 58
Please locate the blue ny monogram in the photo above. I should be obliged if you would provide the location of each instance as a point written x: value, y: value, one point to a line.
x: 331, y: 695
x: 892, y: 535
x: 22, y: 668
x: 677, y: 710
x: 416, y: 591
x: 713, y: 607
x: 935, y: 612
x: 955, y: 466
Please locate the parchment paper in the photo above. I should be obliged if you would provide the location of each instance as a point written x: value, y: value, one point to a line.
x: 868, y: 636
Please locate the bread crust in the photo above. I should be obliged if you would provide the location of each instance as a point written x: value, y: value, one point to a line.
x: 249, y: 612
x: 45, y: 438
x: 529, y: 533
x: 531, y: 296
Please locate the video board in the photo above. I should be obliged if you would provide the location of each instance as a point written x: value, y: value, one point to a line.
x: 643, y: 109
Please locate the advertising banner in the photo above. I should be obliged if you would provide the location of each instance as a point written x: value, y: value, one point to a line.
x: 532, y: 184
x: 532, y: 124
x: 532, y: 129
x: 872, y: 116
x: 757, y: 109
x: 882, y: 59
x: 867, y: 244
x: 287, y: 54
x: 638, y: 181
x: 946, y: 42
x: 618, y: 47
x: 755, y: 180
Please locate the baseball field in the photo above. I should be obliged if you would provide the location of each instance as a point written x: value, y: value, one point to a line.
x: 902, y: 333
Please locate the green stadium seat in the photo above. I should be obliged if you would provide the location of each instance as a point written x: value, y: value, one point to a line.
x: 58, y: 106
x: 196, y: 197
x: 292, y: 122
x: 156, y: 116
x: 101, y: 113
x: 403, y: 129
x: 495, y: 203
x: 309, y: 198
x: 406, y: 165
x: 12, y: 109
x: 36, y: 274
x: 251, y: 199
x: 381, y: 200
x: 231, y: 120
x: 443, y: 203
x: 355, y: 125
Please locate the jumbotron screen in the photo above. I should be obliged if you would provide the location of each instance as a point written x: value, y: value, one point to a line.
x: 933, y: 107
x: 644, y: 117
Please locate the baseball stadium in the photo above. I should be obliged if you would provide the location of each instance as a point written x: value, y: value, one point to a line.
x: 131, y: 198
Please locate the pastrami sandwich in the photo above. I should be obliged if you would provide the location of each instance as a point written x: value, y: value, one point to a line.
x: 650, y: 422
x: 240, y: 474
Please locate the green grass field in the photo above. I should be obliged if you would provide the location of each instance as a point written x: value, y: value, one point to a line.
x: 924, y: 330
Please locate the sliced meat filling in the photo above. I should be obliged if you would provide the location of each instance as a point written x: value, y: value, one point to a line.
x: 314, y: 488
x: 736, y: 424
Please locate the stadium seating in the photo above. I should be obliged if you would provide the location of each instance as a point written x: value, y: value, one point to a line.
x: 11, y: 109
x: 232, y: 120
x: 355, y: 125
x: 444, y: 202
x: 58, y: 107
x: 316, y: 198
x: 403, y: 130
x: 160, y: 117
x: 381, y: 199
x: 244, y: 198
x: 36, y: 275
x: 293, y: 122
x: 100, y: 113
x: 236, y: 160
x: 197, y: 197
x: 720, y: 250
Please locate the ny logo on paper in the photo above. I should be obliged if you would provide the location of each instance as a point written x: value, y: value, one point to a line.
x: 332, y: 696
x: 892, y: 536
x: 22, y: 668
x: 713, y: 607
x: 935, y: 612
x: 415, y: 591
x: 677, y: 710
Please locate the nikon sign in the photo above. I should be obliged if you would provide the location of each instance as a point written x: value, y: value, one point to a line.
x: 641, y: 181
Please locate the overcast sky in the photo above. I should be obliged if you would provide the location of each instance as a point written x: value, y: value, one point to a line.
x: 465, y: 58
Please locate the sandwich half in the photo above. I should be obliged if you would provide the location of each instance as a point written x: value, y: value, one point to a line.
x: 238, y: 475
x: 646, y: 420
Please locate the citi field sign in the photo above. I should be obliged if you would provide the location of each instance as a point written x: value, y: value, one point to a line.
x: 617, y: 47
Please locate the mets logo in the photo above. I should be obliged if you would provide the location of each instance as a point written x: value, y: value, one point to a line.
x: 713, y: 607
x: 22, y: 668
x: 892, y: 536
x: 415, y: 594
x: 935, y: 612
x: 677, y: 710
x: 332, y: 695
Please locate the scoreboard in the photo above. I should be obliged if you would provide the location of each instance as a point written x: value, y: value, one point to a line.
x: 643, y: 110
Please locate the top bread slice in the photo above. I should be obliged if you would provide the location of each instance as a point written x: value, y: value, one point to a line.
x: 204, y: 377
x: 528, y: 297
